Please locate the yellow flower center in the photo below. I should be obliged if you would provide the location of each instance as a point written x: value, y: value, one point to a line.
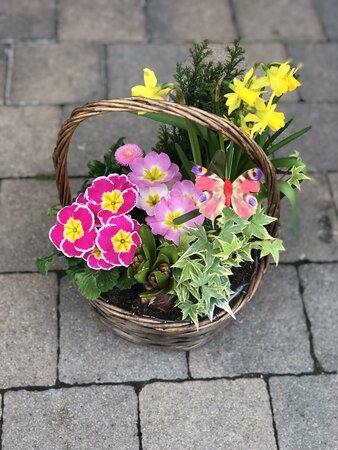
x: 73, y: 230
x: 97, y: 253
x: 152, y: 200
x: 122, y: 241
x: 112, y: 200
x: 154, y: 174
x: 169, y: 220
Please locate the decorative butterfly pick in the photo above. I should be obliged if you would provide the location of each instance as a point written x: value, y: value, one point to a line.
x: 218, y: 193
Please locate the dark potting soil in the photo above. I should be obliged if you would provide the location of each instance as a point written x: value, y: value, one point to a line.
x: 164, y: 307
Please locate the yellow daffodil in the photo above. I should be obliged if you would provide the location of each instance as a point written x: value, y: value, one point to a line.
x: 264, y: 115
x: 150, y: 88
x: 281, y: 78
x: 247, y: 91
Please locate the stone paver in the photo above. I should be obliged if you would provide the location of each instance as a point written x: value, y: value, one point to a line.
x: 333, y: 179
x: 269, y: 335
x: 320, y: 284
x: 24, y: 222
x: 102, y: 21
x: 94, y: 136
x: 28, y: 136
x: 28, y: 330
x: 3, y: 63
x: 328, y: 13
x: 317, y: 238
x: 57, y: 73
x: 306, y: 412
x: 92, y: 352
x: 317, y: 146
x: 96, y: 417
x: 130, y: 60
x: 283, y: 19
x: 206, y: 414
x: 27, y: 20
x: 320, y: 64
x: 190, y: 20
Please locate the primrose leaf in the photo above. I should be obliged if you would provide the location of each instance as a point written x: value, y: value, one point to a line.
x: 44, y: 264
x: 86, y: 282
x: 107, y: 279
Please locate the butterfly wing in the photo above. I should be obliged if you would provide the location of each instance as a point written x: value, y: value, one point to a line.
x: 243, y: 202
x: 212, y: 201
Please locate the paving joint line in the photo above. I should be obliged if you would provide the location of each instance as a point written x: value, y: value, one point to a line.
x: 274, y: 425
x: 234, y: 18
x: 9, y: 50
x: 58, y: 319
x: 187, y: 356
x: 144, y: 6
x: 322, y: 25
x: 2, y: 418
x: 317, y: 366
x: 57, y: 11
x: 104, y: 69
x: 139, y: 427
x: 335, y: 206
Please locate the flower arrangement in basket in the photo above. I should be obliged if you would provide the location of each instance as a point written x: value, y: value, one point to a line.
x: 167, y: 244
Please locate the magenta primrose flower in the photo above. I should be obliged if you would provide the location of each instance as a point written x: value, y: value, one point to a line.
x: 154, y: 169
x: 115, y: 195
x: 74, y: 232
x: 166, y: 211
x: 127, y: 153
x: 94, y: 208
x: 118, y: 240
x: 95, y: 260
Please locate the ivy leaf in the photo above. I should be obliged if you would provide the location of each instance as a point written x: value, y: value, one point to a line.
x: 43, y: 264
x: 272, y: 248
x: 220, y: 303
x: 256, y: 227
x: 298, y: 174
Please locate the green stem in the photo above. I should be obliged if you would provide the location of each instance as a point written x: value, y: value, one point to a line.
x: 229, y: 158
x: 195, y: 147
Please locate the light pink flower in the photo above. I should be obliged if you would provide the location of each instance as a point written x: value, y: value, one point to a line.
x: 186, y: 189
x: 118, y: 240
x: 127, y: 153
x: 74, y: 232
x: 169, y: 209
x: 150, y: 196
x: 153, y: 170
x: 115, y: 195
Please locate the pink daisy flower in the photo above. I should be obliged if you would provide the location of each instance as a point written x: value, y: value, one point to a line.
x: 74, y: 232
x: 166, y: 211
x: 153, y: 170
x: 114, y: 195
x: 151, y: 196
x: 186, y: 189
x: 118, y: 240
x: 127, y: 153
x: 95, y: 260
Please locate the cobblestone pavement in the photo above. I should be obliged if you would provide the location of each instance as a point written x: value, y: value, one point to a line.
x: 269, y: 381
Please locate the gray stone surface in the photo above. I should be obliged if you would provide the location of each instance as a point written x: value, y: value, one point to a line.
x: 320, y: 65
x: 28, y: 329
x: 317, y: 238
x: 103, y: 21
x: 269, y: 335
x: 283, y: 19
x: 328, y: 13
x: 57, y: 73
x: 90, y: 352
x: 306, y: 412
x: 203, y: 415
x: 320, y: 284
x: 333, y: 179
x: 190, y: 20
x: 127, y: 61
x: 94, y: 136
x: 3, y: 64
x: 27, y: 20
x: 91, y: 418
x: 318, y: 146
x: 24, y: 222
x: 28, y: 136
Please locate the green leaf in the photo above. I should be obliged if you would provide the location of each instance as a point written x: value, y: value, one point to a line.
x: 290, y: 194
x: 217, y: 164
x: 96, y: 168
x: 286, y: 141
x: 86, y: 282
x: 298, y: 174
x: 272, y: 248
x: 54, y: 209
x: 107, y: 279
x: 44, y: 264
x: 148, y: 243
x: 162, y: 279
x: 124, y: 282
x: 170, y: 251
x: 256, y: 227
x: 186, y: 217
x: 276, y: 134
x: 167, y: 119
x: 188, y: 165
x: 142, y: 272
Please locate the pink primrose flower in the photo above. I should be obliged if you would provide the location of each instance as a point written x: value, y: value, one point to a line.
x: 74, y: 232
x: 95, y: 260
x: 118, y: 240
x: 81, y: 199
x: 166, y: 211
x: 151, y: 196
x: 115, y: 195
x: 186, y: 189
x: 153, y: 170
x: 127, y: 154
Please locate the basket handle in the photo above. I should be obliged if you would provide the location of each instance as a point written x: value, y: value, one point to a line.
x: 137, y: 104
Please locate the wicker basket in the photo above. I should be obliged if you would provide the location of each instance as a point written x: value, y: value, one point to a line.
x: 145, y: 330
